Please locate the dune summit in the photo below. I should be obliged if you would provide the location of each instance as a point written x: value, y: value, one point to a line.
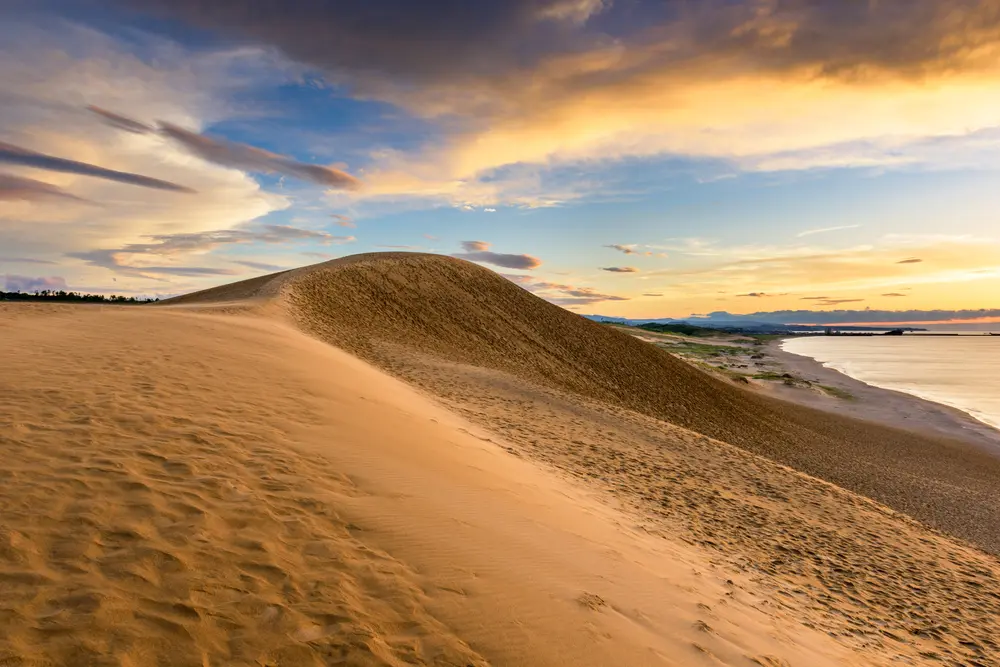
x: 404, y: 459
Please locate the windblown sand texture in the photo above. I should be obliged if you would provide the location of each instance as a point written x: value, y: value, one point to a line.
x: 204, y: 484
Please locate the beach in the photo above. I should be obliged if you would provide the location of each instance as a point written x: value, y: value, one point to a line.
x: 877, y: 404
x: 370, y: 462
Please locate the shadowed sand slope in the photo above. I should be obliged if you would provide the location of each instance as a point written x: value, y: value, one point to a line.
x: 383, y: 306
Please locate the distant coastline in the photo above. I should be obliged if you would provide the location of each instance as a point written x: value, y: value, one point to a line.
x: 885, y: 405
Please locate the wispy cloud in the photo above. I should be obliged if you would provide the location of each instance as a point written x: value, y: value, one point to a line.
x: 824, y: 230
x: 633, y: 249
x: 479, y: 251
x: 895, y: 294
x: 28, y: 189
x: 620, y: 269
x: 260, y: 266
x: 342, y: 220
x: 561, y: 293
x: 912, y: 260
x: 144, y: 259
x: 234, y: 154
x: 11, y: 154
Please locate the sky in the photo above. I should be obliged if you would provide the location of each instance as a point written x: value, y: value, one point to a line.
x: 632, y: 158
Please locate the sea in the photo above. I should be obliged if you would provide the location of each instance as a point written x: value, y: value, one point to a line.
x: 961, y: 371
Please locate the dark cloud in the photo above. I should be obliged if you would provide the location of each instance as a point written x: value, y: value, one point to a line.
x: 25, y: 260
x: 627, y: 249
x: 396, y: 39
x: 815, y: 298
x: 240, y: 156
x: 15, y: 283
x: 895, y: 294
x: 756, y: 295
x: 11, y: 154
x: 372, y: 44
x: 652, y: 294
x: 479, y: 251
x: 620, y: 269
x: 28, y: 189
x: 121, y: 122
x: 912, y: 260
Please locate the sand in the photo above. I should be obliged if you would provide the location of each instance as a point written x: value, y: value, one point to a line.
x: 205, y: 484
x: 893, y: 408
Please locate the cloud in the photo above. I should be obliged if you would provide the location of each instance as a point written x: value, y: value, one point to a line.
x: 754, y: 294
x: 809, y: 269
x: 431, y: 237
x: 121, y: 122
x: 479, y: 251
x: 824, y: 230
x: 25, y: 260
x: 894, y: 294
x: 234, y: 154
x: 799, y: 83
x: 51, y: 70
x: 342, y: 220
x: 242, y: 156
x: 620, y: 269
x: 261, y: 266
x: 15, y: 283
x: 28, y: 189
x: 912, y: 260
x: 652, y: 294
x: 134, y: 258
x: 398, y: 247
x: 815, y: 298
x: 837, y: 302
x: 11, y: 154
x: 562, y: 294
x: 867, y: 316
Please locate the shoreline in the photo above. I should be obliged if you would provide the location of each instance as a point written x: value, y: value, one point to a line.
x: 877, y: 404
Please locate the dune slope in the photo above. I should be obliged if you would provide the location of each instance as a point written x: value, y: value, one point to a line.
x: 382, y: 306
x: 182, y: 488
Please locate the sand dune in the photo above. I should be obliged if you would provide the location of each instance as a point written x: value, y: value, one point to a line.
x: 190, y: 489
x: 385, y: 307
x: 204, y: 484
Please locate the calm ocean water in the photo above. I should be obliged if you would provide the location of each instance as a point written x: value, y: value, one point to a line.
x: 960, y: 371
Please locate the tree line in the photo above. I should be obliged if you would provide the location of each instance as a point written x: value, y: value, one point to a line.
x: 72, y: 297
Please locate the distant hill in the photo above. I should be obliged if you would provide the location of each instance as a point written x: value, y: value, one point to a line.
x: 740, y: 326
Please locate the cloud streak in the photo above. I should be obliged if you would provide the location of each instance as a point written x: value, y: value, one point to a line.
x: 824, y: 230
x: 479, y: 251
x: 234, y: 154
x: 620, y: 269
x: 10, y: 154
x: 14, y: 188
